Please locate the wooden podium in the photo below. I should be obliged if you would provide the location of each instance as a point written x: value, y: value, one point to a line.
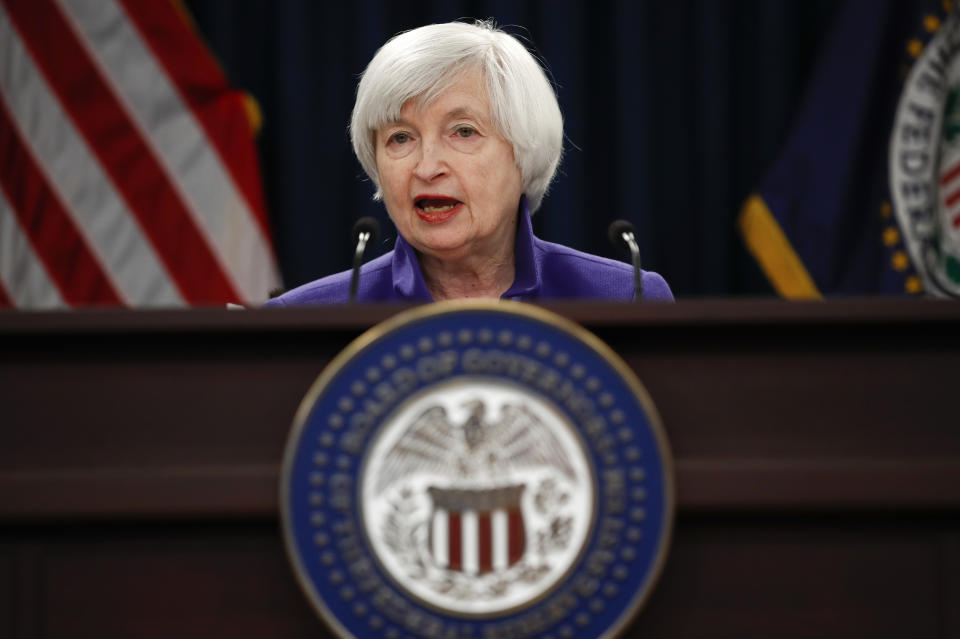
x: 817, y: 450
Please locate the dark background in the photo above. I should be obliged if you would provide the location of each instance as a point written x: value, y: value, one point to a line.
x: 674, y: 111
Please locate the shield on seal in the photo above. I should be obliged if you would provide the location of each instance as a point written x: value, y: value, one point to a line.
x: 477, y: 531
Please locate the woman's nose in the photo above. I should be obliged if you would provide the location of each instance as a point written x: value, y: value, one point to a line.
x: 432, y: 163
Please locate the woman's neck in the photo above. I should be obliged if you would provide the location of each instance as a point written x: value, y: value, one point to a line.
x: 488, y: 277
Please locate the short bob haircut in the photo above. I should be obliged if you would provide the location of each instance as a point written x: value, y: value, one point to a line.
x: 420, y: 64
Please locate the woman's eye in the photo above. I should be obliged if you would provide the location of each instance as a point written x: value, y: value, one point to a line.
x: 400, y: 137
x: 465, y: 131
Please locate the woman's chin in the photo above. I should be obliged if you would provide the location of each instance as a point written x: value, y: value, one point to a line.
x: 445, y: 248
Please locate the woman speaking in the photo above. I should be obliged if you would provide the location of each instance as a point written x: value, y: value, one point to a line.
x: 459, y: 130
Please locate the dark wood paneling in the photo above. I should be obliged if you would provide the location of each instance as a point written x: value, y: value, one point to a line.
x: 822, y: 405
x: 950, y: 584
x: 790, y: 578
x: 164, y: 581
x: 8, y: 603
x: 817, y: 450
x: 726, y: 577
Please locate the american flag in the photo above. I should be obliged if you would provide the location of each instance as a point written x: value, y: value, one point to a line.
x: 128, y: 174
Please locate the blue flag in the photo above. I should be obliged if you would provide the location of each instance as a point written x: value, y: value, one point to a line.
x: 865, y: 198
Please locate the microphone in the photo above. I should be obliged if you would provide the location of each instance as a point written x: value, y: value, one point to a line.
x: 365, y: 231
x: 621, y: 235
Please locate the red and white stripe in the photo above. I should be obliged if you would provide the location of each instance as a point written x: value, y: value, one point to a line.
x: 24, y: 281
x: 950, y: 194
x: 477, y: 542
x: 126, y: 162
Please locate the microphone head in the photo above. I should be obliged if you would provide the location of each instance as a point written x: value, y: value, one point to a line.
x: 369, y: 225
x: 616, y: 230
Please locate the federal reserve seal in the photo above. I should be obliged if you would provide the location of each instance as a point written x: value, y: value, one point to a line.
x: 924, y: 161
x: 477, y: 469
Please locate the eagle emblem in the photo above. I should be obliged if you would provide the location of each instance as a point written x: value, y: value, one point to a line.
x: 478, y: 496
x: 475, y: 449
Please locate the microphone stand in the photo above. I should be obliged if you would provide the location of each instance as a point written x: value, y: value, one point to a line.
x: 357, y: 261
x: 366, y: 231
x: 621, y: 233
x: 631, y: 241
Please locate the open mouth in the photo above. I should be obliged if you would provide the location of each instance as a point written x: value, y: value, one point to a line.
x: 436, y: 209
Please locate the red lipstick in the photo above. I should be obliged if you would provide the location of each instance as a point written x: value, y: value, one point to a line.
x: 436, y: 209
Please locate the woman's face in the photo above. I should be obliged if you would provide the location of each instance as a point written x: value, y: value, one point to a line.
x: 449, y: 181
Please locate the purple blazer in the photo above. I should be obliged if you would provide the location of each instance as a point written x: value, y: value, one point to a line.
x: 543, y: 271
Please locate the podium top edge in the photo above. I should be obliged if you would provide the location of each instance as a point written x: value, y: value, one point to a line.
x: 706, y: 312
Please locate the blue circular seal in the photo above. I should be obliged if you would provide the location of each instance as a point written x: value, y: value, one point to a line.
x: 477, y: 469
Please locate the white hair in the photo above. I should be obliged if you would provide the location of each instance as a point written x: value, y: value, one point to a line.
x: 420, y: 64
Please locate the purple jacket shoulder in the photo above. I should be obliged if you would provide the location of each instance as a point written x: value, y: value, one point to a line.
x: 571, y: 274
x: 376, y: 279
